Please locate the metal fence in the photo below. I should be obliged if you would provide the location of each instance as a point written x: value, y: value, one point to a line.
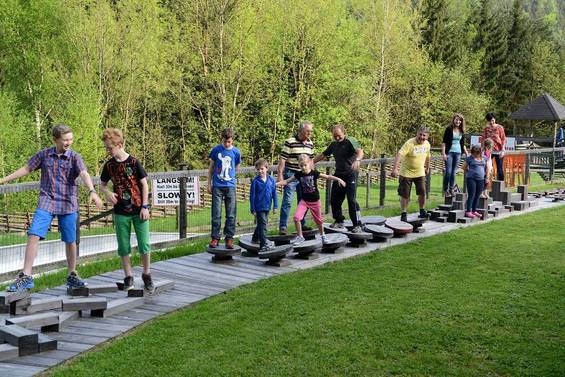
x: 191, y: 218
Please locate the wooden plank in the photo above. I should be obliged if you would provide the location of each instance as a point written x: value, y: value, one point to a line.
x: 66, y: 318
x: 38, y: 305
x: 8, y: 351
x: 200, y: 275
x: 72, y: 347
x: 92, y: 332
x: 45, y: 343
x: 90, y: 303
x: 8, y: 297
x: 16, y: 370
x: 211, y: 274
x: 101, y: 323
x: 238, y: 263
x: 75, y: 338
x: 35, y: 320
x: 118, y: 306
x: 227, y: 269
x: 37, y: 360
x: 24, y: 339
x: 192, y: 277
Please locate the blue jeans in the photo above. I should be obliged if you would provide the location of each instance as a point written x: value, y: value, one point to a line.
x: 226, y: 195
x: 499, y: 170
x: 260, y: 233
x: 451, y: 165
x: 287, y: 199
x: 474, y: 189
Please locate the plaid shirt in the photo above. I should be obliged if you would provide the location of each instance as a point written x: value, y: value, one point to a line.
x: 58, y: 191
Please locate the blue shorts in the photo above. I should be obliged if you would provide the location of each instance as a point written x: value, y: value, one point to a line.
x: 42, y: 220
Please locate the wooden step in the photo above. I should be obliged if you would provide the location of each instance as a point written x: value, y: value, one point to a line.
x: 47, y: 321
x: 26, y: 340
x: 118, y: 306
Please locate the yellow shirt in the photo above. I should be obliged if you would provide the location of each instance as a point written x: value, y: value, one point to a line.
x: 413, y: 158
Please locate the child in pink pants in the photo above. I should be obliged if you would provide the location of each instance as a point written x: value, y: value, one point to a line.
x: 308, y: 181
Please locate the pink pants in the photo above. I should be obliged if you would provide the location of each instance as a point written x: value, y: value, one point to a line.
x: 314, y: 207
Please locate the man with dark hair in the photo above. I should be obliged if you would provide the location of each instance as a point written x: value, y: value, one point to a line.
x: 60, y: 166
x: 347, y: 154
x: 415, y: 157
x: 288, y: 166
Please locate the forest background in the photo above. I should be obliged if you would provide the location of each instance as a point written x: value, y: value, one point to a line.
x: 173, y: 73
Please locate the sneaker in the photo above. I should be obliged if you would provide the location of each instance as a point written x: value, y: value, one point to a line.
x: 298, y: 240
x: 356, y: 229
x: 404, y: 216
x: 477, y: 214
x: 325, y: 239
x: 470, y: 215
x: 423, y: 214
x: 21, y: 283
x: 283, y: 231
x: 74, y: 281
x: 265, y: 248
x: 214, y: 243
x: 128, y: 283
x: 229, y: 243
x: 148, y: 282
x: 270, y: 244
x: 337, y: 225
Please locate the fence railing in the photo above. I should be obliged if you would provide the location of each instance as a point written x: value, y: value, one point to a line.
x: 174, y: 224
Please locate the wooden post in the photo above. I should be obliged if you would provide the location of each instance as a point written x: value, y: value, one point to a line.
x: 368, y: 188
x: 328, y: 192
x: 78, y: 233
x: 382, y: 182
x: 182, y: 204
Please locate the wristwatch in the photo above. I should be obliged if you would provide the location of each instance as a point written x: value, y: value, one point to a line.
x: 145, y: 206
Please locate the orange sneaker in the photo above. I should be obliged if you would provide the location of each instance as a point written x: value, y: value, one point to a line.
x: 229, y: 243
x: 213, y: 243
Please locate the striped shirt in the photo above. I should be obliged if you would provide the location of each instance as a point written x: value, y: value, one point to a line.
x: 293, y: 148
x: 58, y: 191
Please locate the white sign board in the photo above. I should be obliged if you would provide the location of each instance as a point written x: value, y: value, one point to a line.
x: 166, y: 191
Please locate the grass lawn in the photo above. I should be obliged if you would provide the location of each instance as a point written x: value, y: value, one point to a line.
x: 481, y: 301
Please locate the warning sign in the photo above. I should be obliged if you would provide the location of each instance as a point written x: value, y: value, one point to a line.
x: 166, y: 191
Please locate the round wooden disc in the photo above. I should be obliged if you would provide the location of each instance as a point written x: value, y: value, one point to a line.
x: 329, y: 229
x: 379, y: 230
x: 373, y: 220
x: 399, y: 227
x: 245, y: 242
x: 335, y: 240
x: 308, y: 246
x: 222, y: 250
x: 277, y: 252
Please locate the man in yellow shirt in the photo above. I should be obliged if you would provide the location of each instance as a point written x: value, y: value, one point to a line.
x: 415, y: 156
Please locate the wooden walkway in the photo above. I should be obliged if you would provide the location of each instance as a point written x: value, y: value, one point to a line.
x: 196, y: 279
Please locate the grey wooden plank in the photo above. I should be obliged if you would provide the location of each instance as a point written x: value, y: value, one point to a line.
x: 205, y: 276
x: 136, y: 315
x: 222, y: 276
x: 73, y: 347
x: 103, y: 325
x: 265, y: 271
x: 193, y: 277
x: 161, y: 308
x: 58, y: 355
x: 108, y: 333
x: 37, y: 360
x: 109, y: 321
x: 226, y: 269
x: 77, y: 338
x: 259, y: 263
x: 18, y: 370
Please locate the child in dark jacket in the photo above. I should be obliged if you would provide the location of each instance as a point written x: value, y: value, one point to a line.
x: 263, y: 192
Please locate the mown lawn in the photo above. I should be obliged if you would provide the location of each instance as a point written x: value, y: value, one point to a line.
x: 481, y: 301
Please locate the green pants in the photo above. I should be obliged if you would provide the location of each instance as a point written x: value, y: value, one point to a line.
x: 123, y: 223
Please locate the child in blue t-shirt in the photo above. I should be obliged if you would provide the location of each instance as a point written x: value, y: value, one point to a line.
x: 224, y: 160
x: 476, y: 168
x: 262, y: 194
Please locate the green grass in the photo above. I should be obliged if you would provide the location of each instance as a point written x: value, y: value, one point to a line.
x: 480, y: 301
